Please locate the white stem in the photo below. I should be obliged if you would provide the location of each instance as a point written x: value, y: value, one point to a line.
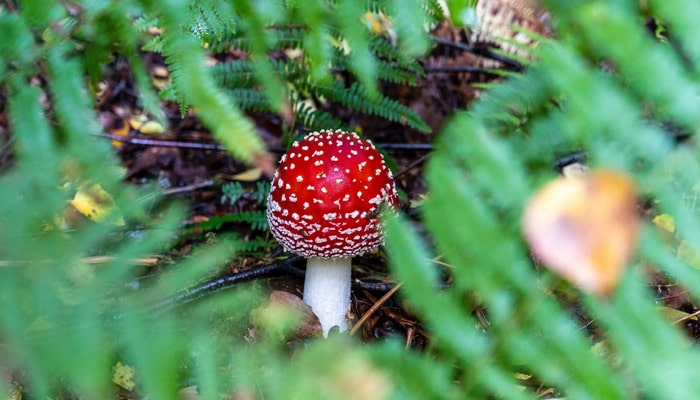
x: 327, y: 290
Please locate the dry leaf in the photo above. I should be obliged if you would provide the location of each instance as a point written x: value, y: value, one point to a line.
x: 94, y: 202
x: 689, y: 254
x: 123, y: 130
x: 124, y: 376
x: 142, y: 124
x: 249, y: 175
x: 584, y: 228
x: 665, y: 222
x: 287, y: 317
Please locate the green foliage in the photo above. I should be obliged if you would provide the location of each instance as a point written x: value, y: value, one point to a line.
x: 233, y: 191
x: 493, y: 158
x: 306, y: 93
x: 65, y: 323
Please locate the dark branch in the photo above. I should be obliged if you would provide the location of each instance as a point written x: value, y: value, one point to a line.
x: 482, y: 51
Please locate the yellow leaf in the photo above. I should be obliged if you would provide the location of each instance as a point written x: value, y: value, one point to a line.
x: 665, y: 222
x: 94, y: 202
x: 122, y: 131
x: 584, y: 228
x: 142, y: 124
x: 373, y: 23
x: 124, y: 376
x: 673, y: 315
x: 689, y: 254
x: 250, y: 175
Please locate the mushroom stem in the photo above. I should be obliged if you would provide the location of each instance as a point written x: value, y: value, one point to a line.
x: 327, y: 290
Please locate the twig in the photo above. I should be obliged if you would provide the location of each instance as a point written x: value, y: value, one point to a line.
x: 374, y: 308
x: 162, y: 143
x: 210, y: 287
x: 374, y: 286
x: 143, y: 262
x: 410, y: 334
x: 225, y: 282
x: 188, y: 188
x: 218, y: 147
x: 687, y: 317
x: 481, y: 51
x: 456, y: 69
x: 412, y: 165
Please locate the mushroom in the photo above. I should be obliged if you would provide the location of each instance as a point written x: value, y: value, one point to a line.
x: 324, y: 204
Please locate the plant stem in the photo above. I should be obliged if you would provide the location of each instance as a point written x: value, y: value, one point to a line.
x: 327, y: 290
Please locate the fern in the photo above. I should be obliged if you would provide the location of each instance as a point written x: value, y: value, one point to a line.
x: 256, y: 220
x: 256, y: 246
x: 243, y: 77
x: 212, y: 20
x: 356, y: 97
x: 233, y: 191
x: 234, y: 73
x: 249, y: 99
x: 314, y: 119
x: 278, y: 39
x: 193, y: 85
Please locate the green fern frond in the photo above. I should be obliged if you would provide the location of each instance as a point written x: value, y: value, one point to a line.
x: 251, y: 246
x: 234, y: 73
x: 250, y: 99
x: 391, y: 72
x: 143, y: 22
x: 435, y: 10
x: 211, y: 21
x: 193, y: 85
x: 231, y: 192
x: 278, y: 38
x: 314, y: 119
x: 356, y: 97
x: 257, y: 220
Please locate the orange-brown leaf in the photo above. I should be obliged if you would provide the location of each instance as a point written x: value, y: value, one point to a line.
x: 584, y: 228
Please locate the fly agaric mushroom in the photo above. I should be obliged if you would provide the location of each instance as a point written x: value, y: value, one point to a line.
x: 324, y: 204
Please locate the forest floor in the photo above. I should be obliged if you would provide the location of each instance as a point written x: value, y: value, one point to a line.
x: 186, y: 162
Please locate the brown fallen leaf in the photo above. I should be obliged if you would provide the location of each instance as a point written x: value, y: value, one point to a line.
x: 584, y: 228
x: 287, y: 317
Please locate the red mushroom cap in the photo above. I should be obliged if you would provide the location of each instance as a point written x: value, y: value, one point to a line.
x: 326, y: 194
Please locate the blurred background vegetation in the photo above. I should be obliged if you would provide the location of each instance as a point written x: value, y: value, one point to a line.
x: 616, y: 80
